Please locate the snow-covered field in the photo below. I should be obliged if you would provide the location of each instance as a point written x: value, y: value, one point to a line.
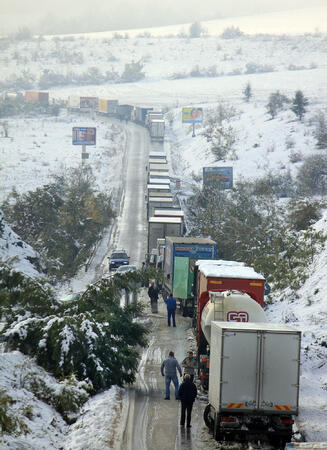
x: 40, y: 147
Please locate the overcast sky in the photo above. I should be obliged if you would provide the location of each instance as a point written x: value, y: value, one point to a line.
x: 72, y: 16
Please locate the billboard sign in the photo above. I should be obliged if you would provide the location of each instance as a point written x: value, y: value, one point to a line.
x: 84, y: 136
x: 222, y: 175
x: 88, y: 103
x: 192, y: 115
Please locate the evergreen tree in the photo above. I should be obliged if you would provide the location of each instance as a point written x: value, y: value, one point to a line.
x: 195, y: 30
x: 247, y: 92
x: 91, y: 338
x: 299, y: 104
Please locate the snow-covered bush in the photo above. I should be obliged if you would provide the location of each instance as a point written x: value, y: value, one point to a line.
x: 133, y: 72
x: 9, y: 423
x: 93, y: 338
x: 250, y: 225
x: 66, y: 397
x: 218, y: 132
x: 232, y: 33
x: 252, y: 67
x: 312, y: 175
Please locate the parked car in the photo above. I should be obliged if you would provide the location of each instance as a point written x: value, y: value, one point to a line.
x: 118, y: 258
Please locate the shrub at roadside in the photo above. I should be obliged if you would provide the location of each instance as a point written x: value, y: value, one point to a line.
x: 61, y: 220
x: 256, y: 229
x: 92, y: 339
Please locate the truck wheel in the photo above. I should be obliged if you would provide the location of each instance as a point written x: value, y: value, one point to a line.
x: 207, y: 419
x: 217, y: 434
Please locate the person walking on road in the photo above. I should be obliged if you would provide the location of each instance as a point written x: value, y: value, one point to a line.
x: 171, y: 308
x: 189, y: 365
x: 153, y: 293
x: 169, y: 369
x: 187, y: 393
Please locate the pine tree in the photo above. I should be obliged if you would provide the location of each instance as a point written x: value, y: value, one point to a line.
x: 195, y: 30
x: 299, y: 104
x: 247, y: 92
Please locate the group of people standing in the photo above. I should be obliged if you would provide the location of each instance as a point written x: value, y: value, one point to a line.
x: 186, y: 392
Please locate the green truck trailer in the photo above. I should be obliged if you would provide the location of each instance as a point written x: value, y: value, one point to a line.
x: 179, y: 259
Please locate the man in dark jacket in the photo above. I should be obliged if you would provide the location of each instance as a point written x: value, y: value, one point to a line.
x: 169, y: 369
x: 171, y: 308
x: 187, y: 393
x: 153, y: 293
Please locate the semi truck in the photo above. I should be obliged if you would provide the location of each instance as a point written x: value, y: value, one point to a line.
x: 157, y: 129
x: 254, y: 381
x: 37, y: 97
x: 141, y: 114
x: 223, y: 276
x: 179, y: 260
x: 159, y: 202
x: 160, y: 227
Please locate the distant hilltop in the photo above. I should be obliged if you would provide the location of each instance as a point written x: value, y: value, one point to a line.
x: 295, y: 21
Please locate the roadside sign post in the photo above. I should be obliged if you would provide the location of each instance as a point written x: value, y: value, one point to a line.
x: 193, y: 116
x: 84, y: 136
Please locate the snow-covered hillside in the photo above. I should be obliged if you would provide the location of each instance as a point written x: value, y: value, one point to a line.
x: 39, y: 147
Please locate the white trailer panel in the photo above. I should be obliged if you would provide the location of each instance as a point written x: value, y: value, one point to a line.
x: 159, y: 181
x: 158, y: 155
x: 160, y: 227
x: 74, y: 102
x: 154, y: 174
x: 254, y: 367
x: 158, y: 167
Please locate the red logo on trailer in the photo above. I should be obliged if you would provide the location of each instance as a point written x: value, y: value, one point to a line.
x: 237, y: 316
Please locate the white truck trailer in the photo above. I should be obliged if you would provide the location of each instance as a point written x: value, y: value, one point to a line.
x: 254, y: 381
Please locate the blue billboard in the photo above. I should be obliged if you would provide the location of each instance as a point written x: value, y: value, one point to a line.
x: 84, y: 136
x: 221, y: 175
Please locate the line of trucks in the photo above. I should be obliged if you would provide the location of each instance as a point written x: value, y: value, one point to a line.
x: 146, y: 116
x: 249, y: 367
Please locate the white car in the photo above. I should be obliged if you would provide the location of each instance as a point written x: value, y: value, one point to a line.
x: 128, y: 268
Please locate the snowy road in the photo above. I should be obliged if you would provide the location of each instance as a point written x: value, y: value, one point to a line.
x: 130, y: 230
x: 153, y: 422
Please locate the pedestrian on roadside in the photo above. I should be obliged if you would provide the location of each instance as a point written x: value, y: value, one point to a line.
x: 169, y: 369
x: 153, y: 293
x: 171, y: 308
x: 189, y: 365
x: 187, y: 393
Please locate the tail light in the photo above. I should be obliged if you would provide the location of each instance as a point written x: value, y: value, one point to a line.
x: 287, y: 421
x: 227, y: 419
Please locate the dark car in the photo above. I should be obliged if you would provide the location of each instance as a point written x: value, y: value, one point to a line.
x: 118, y: 258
